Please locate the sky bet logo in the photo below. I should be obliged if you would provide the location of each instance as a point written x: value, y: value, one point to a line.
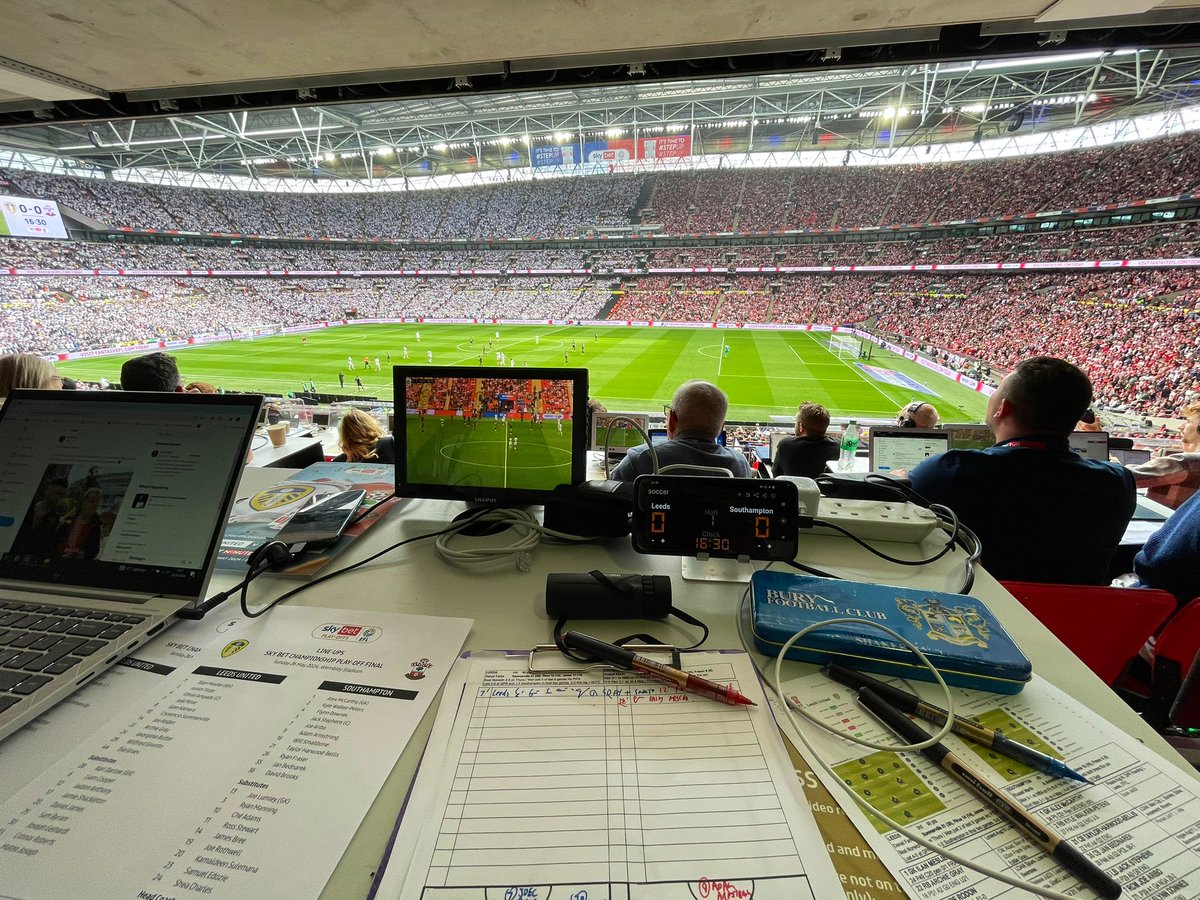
x: 358, y: 634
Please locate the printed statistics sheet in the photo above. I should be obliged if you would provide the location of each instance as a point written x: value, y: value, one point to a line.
x: 1139, y: 820
x: 605, y: 785
x: 228, y: 759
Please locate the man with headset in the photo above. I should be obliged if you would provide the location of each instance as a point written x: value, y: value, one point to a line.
x: 694, y: 420
x: 918, y: 414
x: 1042, y: 512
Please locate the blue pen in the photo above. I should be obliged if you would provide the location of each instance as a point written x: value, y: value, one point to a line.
x: 965, y: 728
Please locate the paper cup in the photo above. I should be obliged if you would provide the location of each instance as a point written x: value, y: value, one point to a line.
x: 277, y: 433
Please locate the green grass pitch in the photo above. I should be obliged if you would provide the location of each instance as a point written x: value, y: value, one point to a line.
x: 493, y: 453
x: 630, y: 369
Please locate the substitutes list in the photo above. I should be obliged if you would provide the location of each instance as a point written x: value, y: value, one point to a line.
x: 243, y: 774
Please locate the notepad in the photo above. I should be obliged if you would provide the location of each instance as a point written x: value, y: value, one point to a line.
x: 605, y: 785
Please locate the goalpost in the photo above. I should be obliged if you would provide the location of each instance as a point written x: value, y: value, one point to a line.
x: 844, y: 346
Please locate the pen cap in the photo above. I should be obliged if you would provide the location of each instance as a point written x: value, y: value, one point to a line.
x: 596, y: 595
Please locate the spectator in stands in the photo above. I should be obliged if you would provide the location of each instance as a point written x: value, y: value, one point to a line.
x: 25, y: 370
x: 152, y: 372
x: 362, y: 438
x: 1172, y: 479
x: 806, y: 452
x: 1042, y: 513
x: 200, y: 387
x: 918, y: 414
x: 1170, y: 560
x: 694, y: 420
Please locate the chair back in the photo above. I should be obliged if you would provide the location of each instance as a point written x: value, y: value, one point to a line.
x: 1104, y: 626
x: 689, y: 469
x: 1175, y: 684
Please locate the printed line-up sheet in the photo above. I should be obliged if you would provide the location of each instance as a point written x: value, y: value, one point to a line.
x: 227, y: 760
x: 605, y: 785
x: 1139, y: 821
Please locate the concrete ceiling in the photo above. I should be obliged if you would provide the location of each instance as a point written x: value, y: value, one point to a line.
x: 56, y: 50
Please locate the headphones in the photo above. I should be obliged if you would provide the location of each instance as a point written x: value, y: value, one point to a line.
x: 905, y: 417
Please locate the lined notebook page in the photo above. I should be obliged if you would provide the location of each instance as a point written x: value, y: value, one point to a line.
x: 605, y: 785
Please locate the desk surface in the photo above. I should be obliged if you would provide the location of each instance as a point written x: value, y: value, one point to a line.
x: 509, y: 612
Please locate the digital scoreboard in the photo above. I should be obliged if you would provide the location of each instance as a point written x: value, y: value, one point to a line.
x: 29, y: 218
x: 727, y: 518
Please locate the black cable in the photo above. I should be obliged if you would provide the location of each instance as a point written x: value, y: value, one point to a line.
x: 457, y: 526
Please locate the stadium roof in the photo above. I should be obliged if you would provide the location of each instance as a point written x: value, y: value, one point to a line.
x: 366, y: 89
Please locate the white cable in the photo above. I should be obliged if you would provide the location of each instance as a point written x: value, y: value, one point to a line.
x: 791, y: 708
x: 636, y: 427
x: 528, y: 530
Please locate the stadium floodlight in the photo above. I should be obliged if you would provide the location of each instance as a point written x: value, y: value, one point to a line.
x: 383, y: 151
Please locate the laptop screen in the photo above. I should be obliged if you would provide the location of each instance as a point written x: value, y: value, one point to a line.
x: 120, y: 491
x: 970, y: 437
x: 1090, y: 444
x: 900, y: 449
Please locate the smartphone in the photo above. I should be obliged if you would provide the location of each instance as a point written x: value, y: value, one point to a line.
x: 322, y: 523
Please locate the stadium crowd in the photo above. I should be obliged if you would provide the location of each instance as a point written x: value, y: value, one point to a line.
x: 681, y: 202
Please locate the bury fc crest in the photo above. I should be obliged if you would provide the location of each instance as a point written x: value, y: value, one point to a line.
x: 962, y: 626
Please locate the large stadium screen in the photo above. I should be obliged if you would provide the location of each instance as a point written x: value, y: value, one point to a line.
x: 29, y: 218
x: 487, y: 436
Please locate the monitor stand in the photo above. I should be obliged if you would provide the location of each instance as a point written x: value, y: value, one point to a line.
x: 732, y: 570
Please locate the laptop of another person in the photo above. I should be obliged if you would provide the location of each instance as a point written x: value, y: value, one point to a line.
x: 112, y: 506
x: 893, y: 450
x: 970, y: 436
x: 1090, y: 444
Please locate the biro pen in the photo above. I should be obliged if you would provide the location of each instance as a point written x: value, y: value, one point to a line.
x: 627, y: 659
x: 1042, y: 835
x: 963, y: 727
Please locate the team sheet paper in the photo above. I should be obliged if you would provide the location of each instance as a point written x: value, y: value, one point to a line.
x: 604, y: 785
x: 1139, y: 821
x: 228, y: 759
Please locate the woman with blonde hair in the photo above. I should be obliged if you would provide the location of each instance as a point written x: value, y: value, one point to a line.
x: 26, y: 370
x: 362, y: 438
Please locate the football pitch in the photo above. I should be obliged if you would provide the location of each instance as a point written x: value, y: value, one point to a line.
x: 764, y: 373
x: 491, y: 452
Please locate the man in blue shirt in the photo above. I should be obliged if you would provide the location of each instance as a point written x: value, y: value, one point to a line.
x: 694, y: 419
x: 1042, y: 512
x: 1171, y: 558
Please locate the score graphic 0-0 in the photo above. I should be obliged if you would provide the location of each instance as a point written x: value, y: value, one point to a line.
x: 27, y: 217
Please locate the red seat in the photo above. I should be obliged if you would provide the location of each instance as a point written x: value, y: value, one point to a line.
x: 1104, y: 626
x: 1175, y: 655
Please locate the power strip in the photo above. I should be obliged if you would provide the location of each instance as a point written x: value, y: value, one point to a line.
x: 878, y: 520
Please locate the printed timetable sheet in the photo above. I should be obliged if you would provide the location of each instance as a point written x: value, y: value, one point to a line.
x: 605, y: 785
x: 1139, y: 820
x: 236, y: 760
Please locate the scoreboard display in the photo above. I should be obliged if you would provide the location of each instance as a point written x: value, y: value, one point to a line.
x: 29, y: 218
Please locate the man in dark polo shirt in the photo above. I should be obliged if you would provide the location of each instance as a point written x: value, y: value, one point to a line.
x: 1042, y: 512
x: 806, y: 452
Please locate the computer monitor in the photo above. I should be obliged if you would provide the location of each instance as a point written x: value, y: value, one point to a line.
x: 966, y: 436
x: 621, y: 436
x: 900, y: 449
x: 485, y: 435
x: 1090, y: 444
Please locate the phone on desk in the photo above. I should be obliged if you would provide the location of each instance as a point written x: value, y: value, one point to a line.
x: 322, y: 523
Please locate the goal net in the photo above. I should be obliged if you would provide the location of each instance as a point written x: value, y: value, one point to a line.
x: 844, y: 346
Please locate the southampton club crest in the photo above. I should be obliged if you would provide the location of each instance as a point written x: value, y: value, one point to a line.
x: 962, y: 626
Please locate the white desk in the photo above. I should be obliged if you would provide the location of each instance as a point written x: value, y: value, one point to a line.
x: 508, y: 607
x: 298, y: 447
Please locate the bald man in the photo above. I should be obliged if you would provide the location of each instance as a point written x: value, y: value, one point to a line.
x: 694, y: 420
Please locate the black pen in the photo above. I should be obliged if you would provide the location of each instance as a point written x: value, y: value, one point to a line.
x: 963, y: 727
x: 1042, y: 835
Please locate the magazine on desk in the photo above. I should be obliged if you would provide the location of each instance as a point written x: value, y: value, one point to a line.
x: 258, y: 518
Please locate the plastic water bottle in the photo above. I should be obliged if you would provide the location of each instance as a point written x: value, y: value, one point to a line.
x: 849, y: 447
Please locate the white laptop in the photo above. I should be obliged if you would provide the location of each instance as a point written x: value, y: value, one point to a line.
x: 897, y: 450
x: 112, y: 506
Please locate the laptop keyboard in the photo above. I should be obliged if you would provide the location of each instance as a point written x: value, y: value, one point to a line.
x: 39, y: 641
